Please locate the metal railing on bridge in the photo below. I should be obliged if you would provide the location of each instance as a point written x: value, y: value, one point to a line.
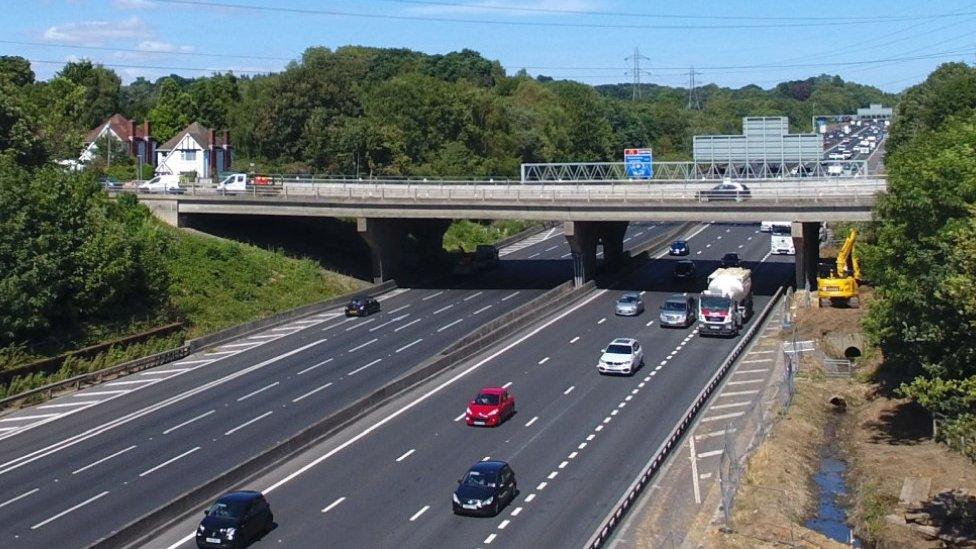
x: 605, y: 172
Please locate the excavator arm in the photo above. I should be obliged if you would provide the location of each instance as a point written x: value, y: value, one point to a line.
x: 847, y: 262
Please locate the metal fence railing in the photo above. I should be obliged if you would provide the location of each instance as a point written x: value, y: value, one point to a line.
x: 558, y: 172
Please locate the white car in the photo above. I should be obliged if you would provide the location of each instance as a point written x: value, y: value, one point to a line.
x: 623, y: 356
x: 161, y: 184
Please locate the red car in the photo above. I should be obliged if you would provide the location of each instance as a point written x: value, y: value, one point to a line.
x: 492, y: 406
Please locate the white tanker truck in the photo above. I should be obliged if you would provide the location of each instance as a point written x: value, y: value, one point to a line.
x: 727, y: 303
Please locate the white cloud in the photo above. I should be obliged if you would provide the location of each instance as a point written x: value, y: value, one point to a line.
x: 533, y: 8
x: 134, y: 4
x: 92, y: 33
x: 156, y: 46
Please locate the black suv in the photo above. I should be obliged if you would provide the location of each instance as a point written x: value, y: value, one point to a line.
x: 362, y: 306
x: 235, y: 520
x: 487, y: 488
x: 730, y: 259
x: 685, y: 270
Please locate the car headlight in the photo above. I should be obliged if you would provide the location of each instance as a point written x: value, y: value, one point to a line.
x: 488, y: 501
x: 201, y: 529
x: 468, y: 411
x: 229, y: 533
x: 455, y: 498
x: 493, y: 412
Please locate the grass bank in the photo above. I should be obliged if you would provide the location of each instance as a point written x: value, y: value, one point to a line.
x: 467, y: 234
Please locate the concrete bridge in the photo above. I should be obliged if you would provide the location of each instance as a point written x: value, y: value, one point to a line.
x: 594, y: 213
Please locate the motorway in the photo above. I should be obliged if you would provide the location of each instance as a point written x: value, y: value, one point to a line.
x: 577, y: 441
x: 80, y: 466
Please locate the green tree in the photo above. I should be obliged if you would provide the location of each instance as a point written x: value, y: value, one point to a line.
x: 172, y: 112
x: 949, y: 91
x: 102, y: 90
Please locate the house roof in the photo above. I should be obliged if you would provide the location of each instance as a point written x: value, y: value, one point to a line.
x: 199, y: 132
x: 120, y: 125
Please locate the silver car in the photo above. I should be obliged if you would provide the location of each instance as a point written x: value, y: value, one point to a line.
x: 678, y: 310
x: 629, y: 305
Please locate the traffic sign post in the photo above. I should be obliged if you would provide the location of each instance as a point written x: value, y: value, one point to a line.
x: 639, y: 163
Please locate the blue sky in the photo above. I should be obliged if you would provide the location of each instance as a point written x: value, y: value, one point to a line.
x: 890, y: 44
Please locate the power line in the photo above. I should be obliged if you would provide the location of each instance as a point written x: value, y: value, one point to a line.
x: 557, y: 11
x: 393, y: 17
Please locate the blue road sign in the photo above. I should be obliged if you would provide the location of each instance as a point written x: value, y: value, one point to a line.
x: 639, y: 163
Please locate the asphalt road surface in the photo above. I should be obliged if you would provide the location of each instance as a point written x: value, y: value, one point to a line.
x: 80, y: 466
x: 577, y: 441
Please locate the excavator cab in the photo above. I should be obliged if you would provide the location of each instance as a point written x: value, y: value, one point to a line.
x: 839, y: 280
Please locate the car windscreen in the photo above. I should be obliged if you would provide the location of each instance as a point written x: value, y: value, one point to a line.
x: 673, y: 306
x: 486, y: 399
x: 628, y: 299
x: 227, y: 509
x: 619, y: 349
x: 683, y: 267
x: 781, y: 230
x: 678, y: 244
x: 715, y: 302
x: 731, y: 257
x: 475, y: 478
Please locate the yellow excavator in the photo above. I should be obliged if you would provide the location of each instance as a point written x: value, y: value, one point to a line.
x: 838, y: 284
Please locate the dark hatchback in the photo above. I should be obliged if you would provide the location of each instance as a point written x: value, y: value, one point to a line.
x: 730, y: 259
x: 235, y: 520
x: 679, y: 247
x: 685, y: 270
x: 362, y: 306
x: 485, y: 490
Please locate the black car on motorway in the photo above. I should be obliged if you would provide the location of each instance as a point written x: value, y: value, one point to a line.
x: 486, y: 489
x: 362, y: 306
x: 730, y: 259
x: 679, y: 247
x: 235, y: 520
x: 685, y: 270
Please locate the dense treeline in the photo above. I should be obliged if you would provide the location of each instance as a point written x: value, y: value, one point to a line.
x: 395, y: 111
x: 923, y: 256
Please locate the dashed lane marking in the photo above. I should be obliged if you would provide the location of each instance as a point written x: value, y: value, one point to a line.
x: 406, y: 454
x: 310, y: 393
x: 333, y: 505
x: 361, y: 368
x: 315, y: 366
x: 420, y: 512
x: 446, y: 326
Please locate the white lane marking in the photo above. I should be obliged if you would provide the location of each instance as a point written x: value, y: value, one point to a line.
x: 358, y: 347
x: 754, y: 371
x: 718, y: 237
x: 446, y: 326
x: 69, y: 404
x: 265, y: 336
x: 602, y: 320
x: 713, y: 434
x: 168, y: 461
x: 553, y: 475
x: 531, y: 421
x: 730, y: 405
x: 164, y: 372
x: 483, y: 309
x: 407, y: 346
x: 390, y: 417
x: 312, y: 392
x: 360, y: 324
x: 503, y: 524
x: 187, y: 422
x: 710, y: 454
x: 388, y: 322
x: 361, y: 368
x: 762, y: 352
x: 420, y: 512
x: 649, y: 323
x: 598, y: 428
x: 641, y: 384
x: 103, y: 460
x: 572, y: 455
x: 310, y: 368
x: 490, y: 538
x: 745, y: 382
x: 637, y: 234
x: 460, y: 417
x: 529, y: 498
x: 575, y: 339
x: 472, y: 296
x: 535, y: 255
x: 741, y: 245
x: 507, y: 385
x: 101, y: 393
x: 628, y: 239
x: 738, y: 393
x: 486, y: 458
x: 20, y: 497
x: 510, y: 296
x: 563, y: 464
x: 411, y: 323
x: 543, y: 361
x: 282, y: 329
x: 406, y: 455
x: 444, y: 308
x: 397, y: 310
x: 333, y: 505
x: 68, y: 510
x: 698, y: 253
x: 432, y: 296
x: 724, y: 416
x: 708, y: 245
x: 183, y: 362
x: 26, y: 418
x: 261, y: 390
x: 570, y: 390
x: 628, y: 398
x: 248, y: 422
x: 213, y: 353
x: 236, y: 345
x: 564, y: 256
x: 551, y: 248
x: 542, y: 486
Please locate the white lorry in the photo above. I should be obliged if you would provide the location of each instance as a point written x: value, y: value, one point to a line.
x: 781, y: 239
x: 726, y: 304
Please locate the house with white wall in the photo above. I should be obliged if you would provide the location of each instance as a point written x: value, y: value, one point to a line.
x: 136, y: 140
x: 196, y: 150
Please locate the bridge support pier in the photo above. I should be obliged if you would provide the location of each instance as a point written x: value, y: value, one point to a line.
x: 806, y: 242
x: 402, y: 246
x: 585, y: 236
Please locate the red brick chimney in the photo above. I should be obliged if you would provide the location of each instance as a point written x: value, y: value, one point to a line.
x: 213, y: 153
